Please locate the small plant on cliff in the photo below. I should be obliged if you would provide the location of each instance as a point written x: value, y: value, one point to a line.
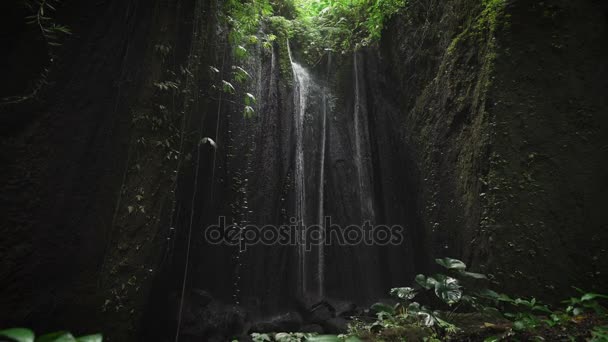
x: 52, y: 34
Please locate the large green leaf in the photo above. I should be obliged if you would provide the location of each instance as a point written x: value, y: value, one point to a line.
x: 451, y: 264
x: 427, y: 283
x: 381, y: 307
x: 90, y: 338
x: 448, y: 290
x: 487, y: 294
x: 592, y: 296
x: 403, y: 292
x: 421, y: 280
x: 59, y: 336
x: 18, y: 334
x: 474, y: 275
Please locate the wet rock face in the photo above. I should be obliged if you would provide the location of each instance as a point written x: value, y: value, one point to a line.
x: 500, y: 134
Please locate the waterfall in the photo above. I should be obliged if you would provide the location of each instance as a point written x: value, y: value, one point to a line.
x: 310, y: 120
x: 321, y: 216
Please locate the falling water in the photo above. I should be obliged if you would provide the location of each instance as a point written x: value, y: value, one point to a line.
x: 320, y: 220
x: 310, y: 134
x: 302, y: 80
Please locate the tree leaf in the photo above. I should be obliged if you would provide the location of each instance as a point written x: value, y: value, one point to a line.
x: 249, y: 99
x: 451, y: 264
x: 18, y: 334
x: 448, y: 290
x: 207, y: 140
x: 592, y: 296
x: 227, y: 87
x: 381, y: 307
x: 404, y: 293
x: 421, y: 280
x: 90, y: 338
x: 474, y: 275
x: 248, y: 112
x: 59, y: 336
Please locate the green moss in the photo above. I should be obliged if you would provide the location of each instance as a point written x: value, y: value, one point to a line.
x: 491, y: 15
x: 282, y: 29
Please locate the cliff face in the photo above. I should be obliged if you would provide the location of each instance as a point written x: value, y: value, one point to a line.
x: 63, y: 157
x: 500, y: 111
x: 481, y: 128
x: 87, y: 186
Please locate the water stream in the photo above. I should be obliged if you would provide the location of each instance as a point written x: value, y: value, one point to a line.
x: 310, y: 116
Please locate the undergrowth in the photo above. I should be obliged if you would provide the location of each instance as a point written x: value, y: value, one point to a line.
x: 432, y: 307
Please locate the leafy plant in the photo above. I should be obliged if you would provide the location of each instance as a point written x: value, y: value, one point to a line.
x: 341, y: 25
x: 586, y: 303
x: 599, y: 334
x: 26, y: 335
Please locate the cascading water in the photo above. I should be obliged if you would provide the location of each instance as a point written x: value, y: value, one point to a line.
x: 310, y: 122
x: 320, y: 220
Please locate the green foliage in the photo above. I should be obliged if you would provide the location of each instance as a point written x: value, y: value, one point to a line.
x: 318, y: 26
x: 492, y: 10
x: 166, y: 85
x: 599, y: 334
x: 302, y: 337
x: 18, y: 334
x: 462, y: 290
x: 431, y: 318
x: 282, y: 337
x: 52, y: 33
x: 26, y: 335
x: 341, y: 25
x: 585, y: 304
x: 41, y: 18
x: 244, y: 18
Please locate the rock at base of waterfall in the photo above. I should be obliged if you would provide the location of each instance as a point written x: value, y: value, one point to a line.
x: 315, y: 309
x: 312, y: 328
x: 203, y: 317
x: 287, y: 322
x: 336, y: 325
x: 343, y: 308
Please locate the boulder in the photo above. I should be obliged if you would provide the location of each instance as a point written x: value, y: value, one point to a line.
x: 287, y: 322
x: 336, y: 325
x: 312, y: 328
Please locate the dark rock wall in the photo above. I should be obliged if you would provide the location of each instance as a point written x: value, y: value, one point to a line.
x: 486, y: 127
x: 500, y: 113
x: 63, y: 158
